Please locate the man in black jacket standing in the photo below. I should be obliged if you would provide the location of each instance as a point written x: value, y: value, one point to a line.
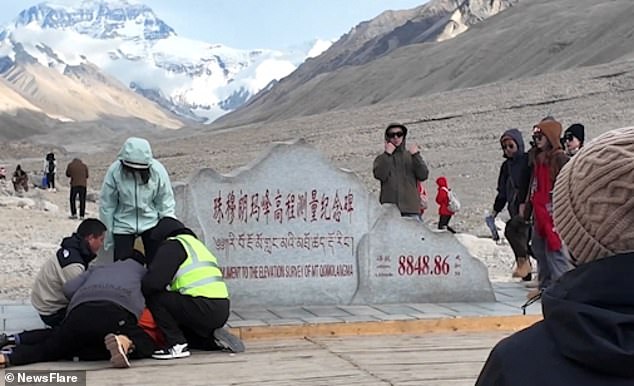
x: 513, y: 181
x: 587, y: 335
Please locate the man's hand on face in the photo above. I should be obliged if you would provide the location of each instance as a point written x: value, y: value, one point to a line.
x: 413, y: 149
x: 389, y: 147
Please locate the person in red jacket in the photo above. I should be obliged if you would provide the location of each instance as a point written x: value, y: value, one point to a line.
x: 442, y: 199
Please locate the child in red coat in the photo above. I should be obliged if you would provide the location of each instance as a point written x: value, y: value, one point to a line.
x: 442, y: 199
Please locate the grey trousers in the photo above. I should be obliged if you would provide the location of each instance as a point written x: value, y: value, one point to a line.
x: 550, y: 264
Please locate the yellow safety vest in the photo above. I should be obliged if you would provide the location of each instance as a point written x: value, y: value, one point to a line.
x: 199, y: 274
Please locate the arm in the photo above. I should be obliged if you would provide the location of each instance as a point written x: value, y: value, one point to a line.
x: 420, y: 167
x: 73, y: 285
x: 500, y: 198
x: 168, y: 258
x: 68, y: 170
x: 381, y: 167
x: 109, y: 199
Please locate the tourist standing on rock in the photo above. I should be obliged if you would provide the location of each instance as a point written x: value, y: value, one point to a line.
x: 186, y: 294
x: 77, y: 171
x: 513, y: 181
x: 546, y: 159
x: 71, y: 259
x: 50, y: 168
x: 136, y: 193
x: 399, y: 168
x: 586, y: 336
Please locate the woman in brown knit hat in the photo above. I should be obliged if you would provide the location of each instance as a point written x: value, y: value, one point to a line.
x: 587, y: 335
x: 547, y: 159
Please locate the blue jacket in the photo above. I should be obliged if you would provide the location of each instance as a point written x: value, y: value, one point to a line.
x: 128, y: 205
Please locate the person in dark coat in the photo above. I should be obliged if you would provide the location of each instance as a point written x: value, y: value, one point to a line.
x: 77, y: 171
x: 399, y: 168
x: 513, y: 181
x: 587, y: 335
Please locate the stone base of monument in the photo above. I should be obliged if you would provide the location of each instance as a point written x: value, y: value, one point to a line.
x: 402, y: 261
x: 290, y: 229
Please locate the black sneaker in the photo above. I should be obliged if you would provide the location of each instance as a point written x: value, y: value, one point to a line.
x: 227, y: 341
x: 174, y: 352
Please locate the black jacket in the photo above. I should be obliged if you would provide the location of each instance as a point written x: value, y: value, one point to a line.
x: 585, y: 339
x: 169, y: 256
x: 514, y: 177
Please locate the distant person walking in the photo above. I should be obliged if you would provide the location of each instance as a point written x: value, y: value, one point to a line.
x: 50, y: 168
x: 77, y: 171
x: 442, y: 199
x: 136, y: 193
x: 399, y: 168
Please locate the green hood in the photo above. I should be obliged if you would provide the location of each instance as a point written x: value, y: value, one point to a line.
x: 136, y: 153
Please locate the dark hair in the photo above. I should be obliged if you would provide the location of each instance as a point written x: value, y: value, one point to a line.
x: 143, y: 173
x: 91, y: 227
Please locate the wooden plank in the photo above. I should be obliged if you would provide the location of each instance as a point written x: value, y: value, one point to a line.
x: 468, y: 324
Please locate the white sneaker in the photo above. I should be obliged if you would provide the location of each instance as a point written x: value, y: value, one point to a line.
x: 174, y: 352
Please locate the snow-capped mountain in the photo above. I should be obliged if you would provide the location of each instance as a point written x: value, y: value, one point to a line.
x: 193, y: 79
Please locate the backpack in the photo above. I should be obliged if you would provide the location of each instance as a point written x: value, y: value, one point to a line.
x: 422, y: 195
x: 454, y: 203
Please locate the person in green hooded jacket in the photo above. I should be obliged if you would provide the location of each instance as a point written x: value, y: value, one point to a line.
x: 136, y: 193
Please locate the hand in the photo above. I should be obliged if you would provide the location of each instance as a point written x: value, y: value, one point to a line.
x: 494, y: 214
x: 389, y: 148
x: 522, y: 209
x: 413, y: 149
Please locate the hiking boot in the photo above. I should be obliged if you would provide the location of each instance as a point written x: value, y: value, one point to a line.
x: 227, y: 341
x: 174, y: 352
x: 73, y: 217
x: 119, y: 346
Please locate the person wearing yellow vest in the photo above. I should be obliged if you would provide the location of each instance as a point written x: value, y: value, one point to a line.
x: 186, y: 293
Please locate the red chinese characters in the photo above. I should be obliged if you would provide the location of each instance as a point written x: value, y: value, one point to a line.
x: 281, y: 207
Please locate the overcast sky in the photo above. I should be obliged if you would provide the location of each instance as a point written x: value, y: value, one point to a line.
x: 249, y: 24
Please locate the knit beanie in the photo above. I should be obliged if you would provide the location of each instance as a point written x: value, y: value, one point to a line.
x: 577, y: 130
x: 552, y: 131
x: 594, y: 198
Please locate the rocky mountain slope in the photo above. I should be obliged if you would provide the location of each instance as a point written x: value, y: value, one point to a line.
x: 529, y: 38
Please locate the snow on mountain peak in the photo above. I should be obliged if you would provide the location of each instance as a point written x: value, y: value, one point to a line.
x: 195, y: 79
x: 103, y: 19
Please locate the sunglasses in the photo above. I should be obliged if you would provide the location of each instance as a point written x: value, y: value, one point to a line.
x: 395, y: 134
x: 509, y: 146
x: 538, y: 136
x: 569, y: 137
